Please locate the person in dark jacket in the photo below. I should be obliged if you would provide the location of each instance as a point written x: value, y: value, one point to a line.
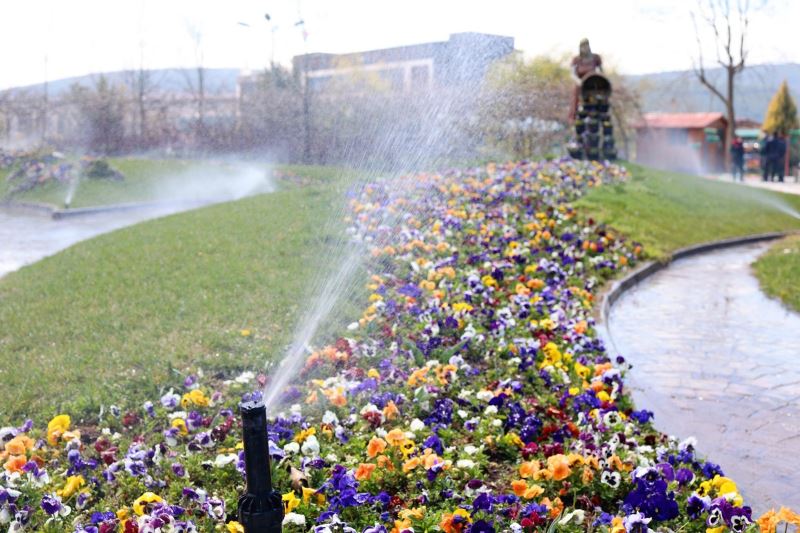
x: 766, y: 148
x: 737, y: 159
x: 777, y: 157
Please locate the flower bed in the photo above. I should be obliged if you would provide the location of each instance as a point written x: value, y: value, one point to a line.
x: 472, y: 396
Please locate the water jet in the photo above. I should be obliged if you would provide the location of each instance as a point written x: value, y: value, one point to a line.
x: 260, y: 508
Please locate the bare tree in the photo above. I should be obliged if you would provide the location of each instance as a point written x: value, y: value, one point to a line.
x: 142, y: 86
x: 729, y: 29
x: 102, y: 116
x: 197, y: 84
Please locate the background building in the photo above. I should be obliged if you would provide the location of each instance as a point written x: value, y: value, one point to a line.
x: 687, y: 142
x: 463, y: 58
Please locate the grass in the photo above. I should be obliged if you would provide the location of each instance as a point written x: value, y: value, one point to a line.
x: 114, y: 317
x: 117, y: 316
x: 665, y: 210
x: 145, y: 180
x: 778, y: 271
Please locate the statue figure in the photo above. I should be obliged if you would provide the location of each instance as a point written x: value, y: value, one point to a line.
x: 590, y: 110
x: 583, y: 64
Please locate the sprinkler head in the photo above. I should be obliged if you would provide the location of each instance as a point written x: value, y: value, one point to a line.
x: 261, y: 508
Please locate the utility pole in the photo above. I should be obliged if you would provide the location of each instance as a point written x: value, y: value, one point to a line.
x: 306, y: 97
x: 45, y: 103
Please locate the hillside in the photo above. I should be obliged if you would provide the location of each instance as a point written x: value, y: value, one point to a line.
x: 681, y: 92
x: 175, y: 80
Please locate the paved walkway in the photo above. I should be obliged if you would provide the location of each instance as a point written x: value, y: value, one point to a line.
x: 790, y: 185
x: 27, y: 238
x: 715, y: 358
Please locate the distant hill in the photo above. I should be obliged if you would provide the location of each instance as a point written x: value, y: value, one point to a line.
x: 217, y: 80
x: 681, y: 92
x: 661, y: 91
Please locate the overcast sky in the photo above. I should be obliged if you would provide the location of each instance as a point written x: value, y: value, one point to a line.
x: 57, y: 39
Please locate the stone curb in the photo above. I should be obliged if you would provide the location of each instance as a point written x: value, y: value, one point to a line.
x: 27, y: 207
x: 80, y: 211
x: 618, y: 287
x: 57, y: 214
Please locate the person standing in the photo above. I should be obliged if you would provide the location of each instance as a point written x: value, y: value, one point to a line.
x: 778, y: 158
x: 766, y: 149
x: 737, y: 159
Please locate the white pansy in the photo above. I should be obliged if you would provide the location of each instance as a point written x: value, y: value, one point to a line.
x: 465, y: 463
x: 292, y: 448
x: 417, y: 425
x: 576, y: 517
x: 484, y: 395
x: 294, y: 519
x: 225, y: 459
x: 464, y: 394
x: 370, y: 407
x: 490, y: 410
x: 310, y: 446
x: 245, y: 377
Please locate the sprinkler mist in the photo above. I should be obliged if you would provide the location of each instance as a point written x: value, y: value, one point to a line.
x: 260, y: 508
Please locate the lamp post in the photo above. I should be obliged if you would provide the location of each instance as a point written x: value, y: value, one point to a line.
x: 272, y: 29
x: 306, y: 96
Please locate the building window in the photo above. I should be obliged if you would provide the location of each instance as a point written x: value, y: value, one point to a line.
x: 318, y: 83
x: 394, y: 77
x: 420, y: 76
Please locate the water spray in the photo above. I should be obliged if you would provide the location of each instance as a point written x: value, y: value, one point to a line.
x: 260, y: 508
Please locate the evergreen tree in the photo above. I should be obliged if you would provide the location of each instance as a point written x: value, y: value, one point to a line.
x: 781, y: 115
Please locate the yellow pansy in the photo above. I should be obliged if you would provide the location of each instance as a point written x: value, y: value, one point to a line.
x: 140, y: 505
x: 303, y: 435
x: 56, y: 427
x: 71, y: 486
x: 234, y: 527
x: 290, y: 501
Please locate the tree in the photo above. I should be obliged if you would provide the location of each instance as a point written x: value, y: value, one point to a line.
x: 270, y: 109
x: 626, y: 110
x: 102, y: 116
x: 197, y: 84
x: 781, y: 115
x: 143, y: 87
x: 729, y: 31
x: 524, y: 106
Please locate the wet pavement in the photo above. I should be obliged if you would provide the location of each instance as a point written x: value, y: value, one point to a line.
x: 715, y: 358
x: 26, y: 238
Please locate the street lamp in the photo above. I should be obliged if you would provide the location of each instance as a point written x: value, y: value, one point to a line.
x: 273, y: 28
x: 306, y: 95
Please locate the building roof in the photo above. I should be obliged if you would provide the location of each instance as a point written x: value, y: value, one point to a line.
x: 466, y: 47
x: 680, y: 120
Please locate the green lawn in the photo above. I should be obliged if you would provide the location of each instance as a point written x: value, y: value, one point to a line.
x: 149, y: 181
x: 666, y: 211
x: 116, y: 317
x: 779, y: 271
x: 111, y: 317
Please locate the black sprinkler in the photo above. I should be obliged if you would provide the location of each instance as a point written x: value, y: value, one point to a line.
x: 260, y: 508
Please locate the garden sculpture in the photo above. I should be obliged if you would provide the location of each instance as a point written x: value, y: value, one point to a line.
x: 591, y: 105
